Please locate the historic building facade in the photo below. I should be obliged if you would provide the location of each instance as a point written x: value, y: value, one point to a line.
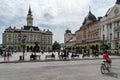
x: 110, y: 27
x: 69, y: 38
x: 104, y: 30
x: 89, y: 32
x: 29, y: 34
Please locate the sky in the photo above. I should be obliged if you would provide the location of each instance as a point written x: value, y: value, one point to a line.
x: 55, y: 15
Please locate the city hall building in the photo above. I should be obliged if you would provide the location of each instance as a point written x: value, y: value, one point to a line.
x: 29, y: 35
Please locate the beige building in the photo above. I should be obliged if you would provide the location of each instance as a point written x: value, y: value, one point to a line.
x: 29, y: 34
x: 69, y: 38
x: 110, y: 26
x: 95, y: 31
x: 89, y: 32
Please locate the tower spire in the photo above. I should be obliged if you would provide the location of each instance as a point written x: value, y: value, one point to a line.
x: 118, y: 2
x: 29, y: 12
x: 29, y: 17
x: 89, y: 9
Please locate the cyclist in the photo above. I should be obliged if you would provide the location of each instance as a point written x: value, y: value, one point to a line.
x: 106, y: 58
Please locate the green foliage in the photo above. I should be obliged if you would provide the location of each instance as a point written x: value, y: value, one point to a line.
x: 118, y: 46
x: 77, y: 47
x: 23, y: 45
x: 68, y: 48
x: 104, y: 47
x: 56, y: 46
x: 92, y: 47
x: 82, y: 47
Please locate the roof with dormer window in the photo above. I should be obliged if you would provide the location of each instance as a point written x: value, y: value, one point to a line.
x: 29, y: 27
x: 90, y: 17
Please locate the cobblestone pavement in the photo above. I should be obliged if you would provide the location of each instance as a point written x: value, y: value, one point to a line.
x: 59, y: 70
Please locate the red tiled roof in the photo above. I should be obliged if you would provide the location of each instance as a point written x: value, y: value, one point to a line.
x: 73, y: 39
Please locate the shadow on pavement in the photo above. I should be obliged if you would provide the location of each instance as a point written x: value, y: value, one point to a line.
x: 111, y: 74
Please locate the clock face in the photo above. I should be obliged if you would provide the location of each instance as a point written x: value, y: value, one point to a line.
x: 116, y: 11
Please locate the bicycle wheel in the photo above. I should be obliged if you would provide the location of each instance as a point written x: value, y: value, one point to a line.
x: 103, y: 68
x: 109, y: 68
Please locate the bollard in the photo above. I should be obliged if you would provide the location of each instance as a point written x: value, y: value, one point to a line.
x: 20, y: 58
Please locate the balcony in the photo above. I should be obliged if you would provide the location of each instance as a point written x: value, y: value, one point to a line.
x: 83, y: 41
x: 108, y: 39
x: 117, y: 38
x: 103, y: 41
x: 93, y: 39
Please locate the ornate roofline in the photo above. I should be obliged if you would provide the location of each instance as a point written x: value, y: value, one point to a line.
x: 117, y: 1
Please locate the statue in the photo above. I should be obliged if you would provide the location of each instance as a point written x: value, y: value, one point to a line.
x: 36, y: 47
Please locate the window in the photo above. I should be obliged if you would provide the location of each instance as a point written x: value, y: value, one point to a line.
x: 118, y: 35
x: 103, y: 27
x: 117, y: 23
x: 110, y: 36
x: 109, y: 45
x: 116, y: 45
x: 110, y: 26
x: 97, y: 35
x: 103, y: 37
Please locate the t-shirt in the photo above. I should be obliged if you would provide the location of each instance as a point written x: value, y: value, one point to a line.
x: 105, y: 56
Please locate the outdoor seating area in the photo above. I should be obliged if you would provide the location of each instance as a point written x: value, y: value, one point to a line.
x: 34, y: 57
x: 39, y: 56
x: 52, y: 56
x: 75, y: 56
x: 114, y: 52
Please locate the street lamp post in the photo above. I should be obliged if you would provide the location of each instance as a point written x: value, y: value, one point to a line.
x: 23, y: 46
x: 19, y: 42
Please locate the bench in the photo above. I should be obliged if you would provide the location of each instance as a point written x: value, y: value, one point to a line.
x: 34, y: 57
x: 74, y: 55
x: 62, y: 56
x: 50, y: 56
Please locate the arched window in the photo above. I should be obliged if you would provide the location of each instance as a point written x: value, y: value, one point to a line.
x: 103, y: 37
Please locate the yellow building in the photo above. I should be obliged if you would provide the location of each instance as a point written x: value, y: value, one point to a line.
x: 29, y: 34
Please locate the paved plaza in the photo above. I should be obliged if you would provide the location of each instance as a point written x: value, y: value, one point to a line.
x: 16, y: 56
x: 59, y: 70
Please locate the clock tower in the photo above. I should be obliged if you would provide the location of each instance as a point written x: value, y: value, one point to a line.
x: 29, y: 18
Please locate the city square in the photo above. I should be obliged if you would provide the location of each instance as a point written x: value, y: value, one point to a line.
x: 15, y: 57
x: 59, y: 70
x: 59, y: 39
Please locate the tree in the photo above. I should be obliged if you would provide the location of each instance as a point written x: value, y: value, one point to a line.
x: 118, y: 46
x: 92, y: 47
x: 82, y: 47
x: 77, y: 47
x: 104, y: 47
x: 68, y: 48
x: 56, y: 46
x: 23, y: 45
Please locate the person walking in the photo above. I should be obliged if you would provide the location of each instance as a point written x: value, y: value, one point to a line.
x: 8, y: 56
x: 4, y: 55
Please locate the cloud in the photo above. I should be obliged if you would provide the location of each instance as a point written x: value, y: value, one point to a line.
x: 56, y: 15
x: 48, y: 16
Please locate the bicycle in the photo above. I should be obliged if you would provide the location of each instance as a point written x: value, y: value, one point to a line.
x: 105, y: 67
